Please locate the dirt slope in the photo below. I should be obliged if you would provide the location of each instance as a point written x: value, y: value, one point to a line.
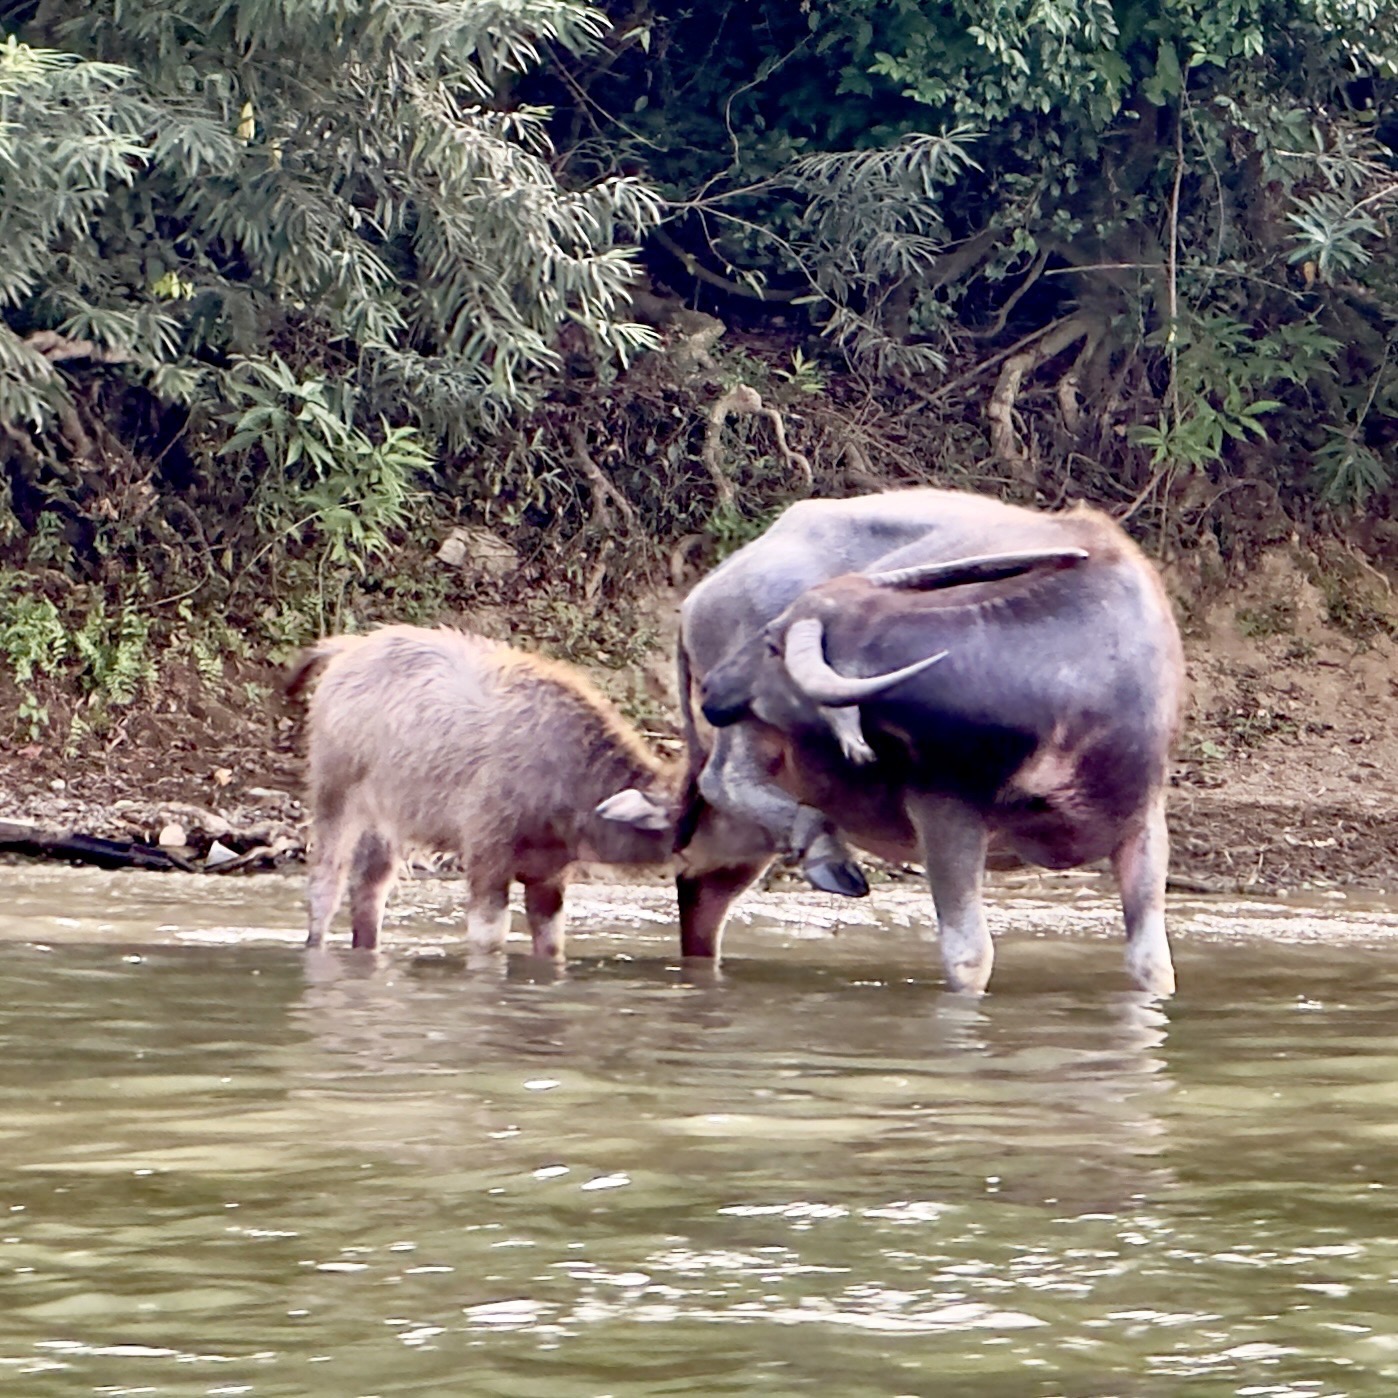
x: 1287, y: 773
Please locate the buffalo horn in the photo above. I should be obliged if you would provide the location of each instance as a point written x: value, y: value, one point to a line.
x: 814, y: 676
x: 990, y: 567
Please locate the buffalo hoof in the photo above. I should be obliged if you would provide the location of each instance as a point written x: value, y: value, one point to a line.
x: 841, y: 876
x: 1155, y: 977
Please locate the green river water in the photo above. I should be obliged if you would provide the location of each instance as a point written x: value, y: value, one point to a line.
x: 229, y: 1168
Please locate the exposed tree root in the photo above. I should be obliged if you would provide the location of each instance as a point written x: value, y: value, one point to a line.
x: 1005, y: 439
x: 745, y: 399
x: 740, y: 399
x: 604, y: 493
x: 997, y: 328
x: 794, y: 459
x: 858, y: 468
x: 604, y: 496
x: 680, y: 556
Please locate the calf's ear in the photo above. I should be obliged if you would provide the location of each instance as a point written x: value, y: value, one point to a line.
x: 635, y: 808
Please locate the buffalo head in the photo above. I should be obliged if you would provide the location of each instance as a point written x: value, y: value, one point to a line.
x: 781, y: 674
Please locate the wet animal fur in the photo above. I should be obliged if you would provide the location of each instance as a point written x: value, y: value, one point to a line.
x: 439, y: 740
x: 1048, y: 722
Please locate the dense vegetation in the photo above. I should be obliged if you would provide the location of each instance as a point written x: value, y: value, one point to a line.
x: 291, y: 287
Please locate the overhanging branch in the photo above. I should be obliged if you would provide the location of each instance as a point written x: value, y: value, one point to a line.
x: 57, y: 348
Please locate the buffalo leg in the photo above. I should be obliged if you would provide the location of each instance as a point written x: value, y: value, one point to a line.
x: 954, y: 842
x: 704, y: 903
x: 1141, y: 862
x: 543, y: 906
x: 737, y: 779
x: 374, y: 866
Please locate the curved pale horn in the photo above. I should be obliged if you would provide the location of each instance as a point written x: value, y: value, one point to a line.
x: 990, y: 567
x: 818, y: 680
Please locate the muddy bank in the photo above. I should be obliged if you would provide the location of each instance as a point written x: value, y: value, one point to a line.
x: 1286, y: 775
x: 1221, y: 843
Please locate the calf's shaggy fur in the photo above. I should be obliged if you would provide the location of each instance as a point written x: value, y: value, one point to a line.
x: 442, y: 741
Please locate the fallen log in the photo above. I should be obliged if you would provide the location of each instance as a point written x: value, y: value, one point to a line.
x: 37, y: 842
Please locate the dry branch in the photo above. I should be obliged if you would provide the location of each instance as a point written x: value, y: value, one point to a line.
x: 56, y: 348
x: 36, y: 841
x: 699, y: 272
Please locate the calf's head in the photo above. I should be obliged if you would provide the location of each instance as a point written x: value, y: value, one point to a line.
x: 630, y: 827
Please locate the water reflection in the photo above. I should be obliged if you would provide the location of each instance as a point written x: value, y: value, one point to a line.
x: 233, y: 1168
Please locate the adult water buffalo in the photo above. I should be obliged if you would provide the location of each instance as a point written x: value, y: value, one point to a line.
x: 924, y: 671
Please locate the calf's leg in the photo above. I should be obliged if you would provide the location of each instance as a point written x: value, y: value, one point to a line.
x: 330, y: 843
x: 375, y: 863
x: 954, y: 840
x: 543, y: 906
x: 488, y: 909
x: 1141, y: 862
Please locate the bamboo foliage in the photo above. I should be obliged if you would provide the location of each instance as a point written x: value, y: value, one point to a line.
x: 180, y: 183
x: 1035, y: 205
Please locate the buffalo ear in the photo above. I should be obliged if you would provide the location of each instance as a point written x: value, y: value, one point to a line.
x: 635, y: 808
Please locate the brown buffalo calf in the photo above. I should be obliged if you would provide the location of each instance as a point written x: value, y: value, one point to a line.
x: 447, y: 742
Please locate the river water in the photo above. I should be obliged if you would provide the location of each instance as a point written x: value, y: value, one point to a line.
x: 229, y: 1168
